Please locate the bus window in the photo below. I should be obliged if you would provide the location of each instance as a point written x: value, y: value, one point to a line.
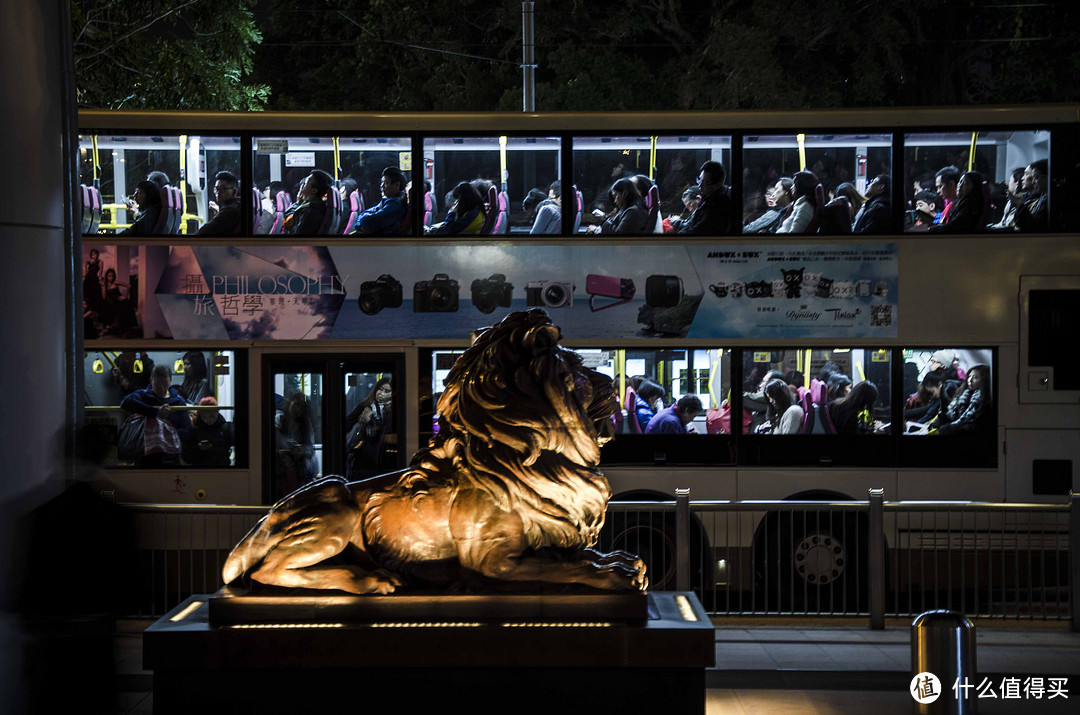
x: 844, y: 165
x: 1013, y: 167
x: 296, y: 428
x: 670, y: 164
x: 354, y: 168
x: 371, y: 440
x: 523, y: 171
x: 181, y: 168
x: 199, y: 430
x: 843, y: 391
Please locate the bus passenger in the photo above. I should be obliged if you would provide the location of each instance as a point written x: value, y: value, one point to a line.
x: 549, y: 212
x: 855, y: 200
x: 778, y: 199
x: 802, y: 212
x: 386, y: 217
x: 784, y: 415
x: 164, y: 429
x: 306, y: 216
x: 922, y: 407
x: 965, y: 215
x: 294, y: 438
x: 371, y: 426
x: 148, y: 199
x: 159, y: 178
x: 1013, y: 192
x: 466, y: 215
x: 196, y: 385
x: 647, y: 402
x: 854, y: 414
x: 674, y: 419
x: 1032, y: 213
x: 755, y: 403
x: 629, y: 215
x: 713, y: 214
x: 643, y: 184
x: 927, y: 211
x: 875, y: 216
x: 211, y: 437
x: 945, y: 183
x: 227, y: 195
x: 968, y: 411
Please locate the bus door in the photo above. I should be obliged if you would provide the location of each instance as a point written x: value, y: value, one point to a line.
x: 330, y: 414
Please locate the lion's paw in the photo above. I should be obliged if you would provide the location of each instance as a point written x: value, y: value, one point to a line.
x: 380, y: 582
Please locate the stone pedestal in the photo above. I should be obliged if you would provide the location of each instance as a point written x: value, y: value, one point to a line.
x: 299, y: 653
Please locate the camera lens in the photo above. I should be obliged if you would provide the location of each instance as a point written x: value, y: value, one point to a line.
x: 484, y: 303
x: 370, y: 302
x: 440, y: 298
x: 554, y: 295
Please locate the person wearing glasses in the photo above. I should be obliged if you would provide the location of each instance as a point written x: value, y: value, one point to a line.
x: 227, y: 196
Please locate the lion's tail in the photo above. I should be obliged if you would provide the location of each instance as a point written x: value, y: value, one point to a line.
x: 250, y: 551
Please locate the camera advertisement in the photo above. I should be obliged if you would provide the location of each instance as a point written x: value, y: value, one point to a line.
x: 424, y: 291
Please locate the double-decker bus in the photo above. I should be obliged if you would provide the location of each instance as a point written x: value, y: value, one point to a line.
x: 873, y: 335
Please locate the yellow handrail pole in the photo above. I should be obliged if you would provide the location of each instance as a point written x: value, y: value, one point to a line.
x: 620, y: 362
x: 502, y: 163
x: 652, y: 156
x: 806, y: 368
x: 183, y: 183
x: 801, y: 138
x: 971, y: 152
x: 93, y: 142
x: 714, y: 368
x: 337, y: 157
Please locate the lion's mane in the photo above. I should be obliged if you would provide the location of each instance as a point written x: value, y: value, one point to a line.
x: 523, y: 420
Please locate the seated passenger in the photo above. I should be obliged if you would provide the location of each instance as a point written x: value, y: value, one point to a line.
x: 348, y: 185
x: 227, y: 195
x: 386, y: 217
x: 970, y: 409
x: 549, y: 213
x: 148, y: 199
x: 712, y: 217
x: 159, y: 178
x: 802, y: 212
x: 466, y: 215
x: 690, y: 198
x: 211, y: 438
x: 674, y: 419
x: 1032, y: 214
x: 855, y: 200
x: 755, y: 403
x: 876, y: 215
x: 164, y: 429
x: 922, y: 407
x: 306, y: 216
x: 1015, y: 195
x: 854, y: 413
x: 647, y: 402
x: 927, y: 211
x: 945, y: 183
x: 964, y: 215
x: 784, y: 415
x: 778, y: 199
x: 629, y: 214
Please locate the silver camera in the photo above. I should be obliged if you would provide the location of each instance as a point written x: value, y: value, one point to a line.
x: 549, y: 294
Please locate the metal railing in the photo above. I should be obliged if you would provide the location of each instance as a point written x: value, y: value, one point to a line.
x: 872, y: 559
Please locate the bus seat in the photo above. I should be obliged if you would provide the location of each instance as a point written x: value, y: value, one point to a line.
x: 652, y: 203
x: 491, y: 209
x: 819, y: 402
x: 87, y: 212
x: 429, y: 208
x: 808, y: 411
x: 332, y: 217
x: 580, y: 208
x: 502, y: 219
x: 163, y: 225
x: 178, y: 211
x: 630, y: 405
x: 256, y: 210
x: 95, y: 208
x: 282, y: 202
x: 356, y: 200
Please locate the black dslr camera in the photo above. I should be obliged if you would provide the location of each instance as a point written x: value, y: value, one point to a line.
x: 383, y: 292
x: 491, y: 293
x: 663, y: 291
x: 438, y: 295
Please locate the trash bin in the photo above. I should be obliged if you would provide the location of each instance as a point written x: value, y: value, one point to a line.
x: 943, y: 646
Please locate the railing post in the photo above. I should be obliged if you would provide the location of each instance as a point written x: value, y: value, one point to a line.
x: 682, y: 539
x: 1074, y: 560
x: 877, y: 559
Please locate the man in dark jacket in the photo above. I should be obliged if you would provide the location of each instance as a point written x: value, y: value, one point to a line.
x: 211, y: 437
x: 875, y: 215
x: 154, y: 402
x: 227, y: 195
x: 712, y: 216
x: 386, y: 217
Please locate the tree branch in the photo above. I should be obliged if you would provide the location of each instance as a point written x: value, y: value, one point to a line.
x: 136, y: 31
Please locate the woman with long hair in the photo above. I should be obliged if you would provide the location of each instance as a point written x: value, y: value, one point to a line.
x: 629, y: 214
x: 370, y: 423
x: 802, y: 213
x: 849, y: 413
x: 294, y: 440
x: 967, y: 212
x: 968, y: 410
x: 783, y: 414
x: 305, y: 217
x: 466, y: 216
x: 196, y: 384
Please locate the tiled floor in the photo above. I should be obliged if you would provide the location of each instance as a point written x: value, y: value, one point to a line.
x: 777, y: 670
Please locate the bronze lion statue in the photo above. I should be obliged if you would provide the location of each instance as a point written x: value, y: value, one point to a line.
x: 507, y: 491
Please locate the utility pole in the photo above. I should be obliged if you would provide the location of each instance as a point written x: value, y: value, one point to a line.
x: 528, y: 59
